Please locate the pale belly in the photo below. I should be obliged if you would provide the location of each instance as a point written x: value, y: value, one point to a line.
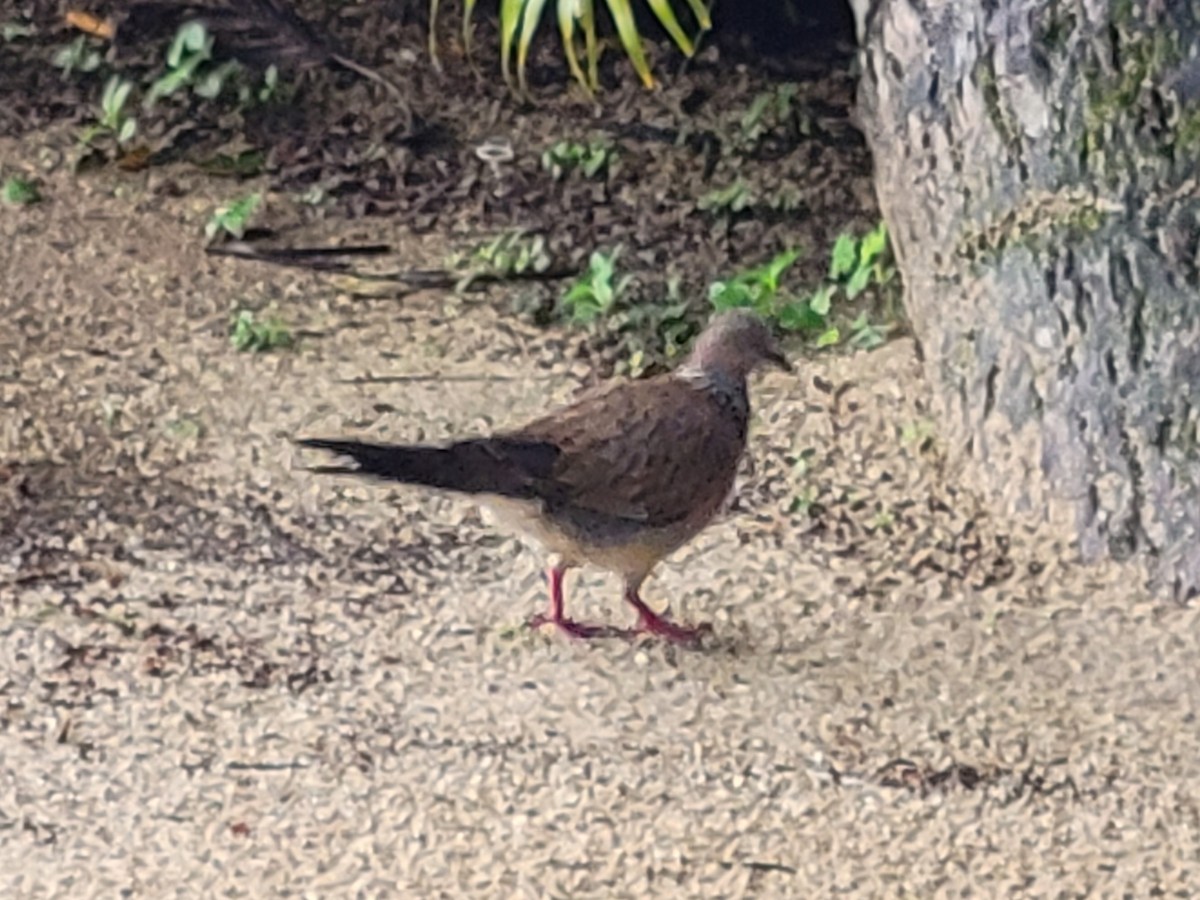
x: 631, y: 553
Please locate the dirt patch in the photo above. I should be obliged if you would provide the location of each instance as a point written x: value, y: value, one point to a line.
x: 225, y: 675
x: 722, y: 168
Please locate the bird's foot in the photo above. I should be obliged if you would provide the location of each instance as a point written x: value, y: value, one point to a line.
x: 575, y: 629
x: 651, y: 623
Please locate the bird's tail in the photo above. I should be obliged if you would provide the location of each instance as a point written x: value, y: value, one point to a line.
x: 508, y: 467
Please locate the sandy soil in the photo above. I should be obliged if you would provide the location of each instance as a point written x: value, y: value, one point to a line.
x: 224, y: 677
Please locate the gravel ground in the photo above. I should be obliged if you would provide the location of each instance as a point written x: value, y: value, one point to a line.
x: 226, y: 677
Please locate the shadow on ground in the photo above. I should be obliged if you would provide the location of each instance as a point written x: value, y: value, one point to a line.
x: 224, y: 676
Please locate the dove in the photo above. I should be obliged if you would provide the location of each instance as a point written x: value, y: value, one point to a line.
x: 618, y: 479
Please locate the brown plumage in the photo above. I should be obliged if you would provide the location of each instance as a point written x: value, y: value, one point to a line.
x: 618, y: 479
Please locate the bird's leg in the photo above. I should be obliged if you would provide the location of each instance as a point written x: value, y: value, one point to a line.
x: 557, y: 616
x: 651, y: 622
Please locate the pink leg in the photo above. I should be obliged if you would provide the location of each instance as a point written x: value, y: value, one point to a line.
x: 651, y: 622
x: 558, y: 618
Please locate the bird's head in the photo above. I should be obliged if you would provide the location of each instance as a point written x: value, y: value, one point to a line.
x: 735, y: 343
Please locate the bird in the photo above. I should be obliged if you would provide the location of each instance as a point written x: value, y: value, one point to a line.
x: 618, y: 479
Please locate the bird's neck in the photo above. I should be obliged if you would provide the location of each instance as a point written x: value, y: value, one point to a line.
x: 729, y: 390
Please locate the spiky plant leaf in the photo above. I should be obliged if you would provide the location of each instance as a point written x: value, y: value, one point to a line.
x: 622, y: 14
x: 510, y: 18
x: 519, y: 20
x: 566, y: 27
x: 666, y: 15
x: 533, y: 13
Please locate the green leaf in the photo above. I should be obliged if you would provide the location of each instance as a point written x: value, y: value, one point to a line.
x: 797, y: 317
x: 14, y: 30
x: 858, y: 282
x: 844, y: 257
x: 883, y: 272
x: 666, y: 15
x: 754, y: 113
x: 510, y: 18
x: 247, y: 332
x: 191, y: 39
x: 566, y: 28
x: 730, y: 295
x: 865, y: 335
x: 622, y: 14
x: 595, y: 292
x: 700, y: 11
x: 784, y: 96
x: 532, y: 14
x: 780, y: 264
x: 873, y: 244
x: 233, y: 217
x: 821, y: 300
x: 209, y: 87
x: 19, y: 192
x: 77, y: 55
x: 591, y: 45
x: 165, y: 86
x: 829, y: 337
x: 116, y: 92
x: 735, y: 197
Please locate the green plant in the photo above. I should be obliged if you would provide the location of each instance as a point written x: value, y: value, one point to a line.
x: 739, y: 196
x: 651, y: 331
x: 858, y: 263
x: 761, y: 289
x: 864, y: 335
x: 883, y: 519
x: 806, y: 492
x: 511, y: 254
x: 597, y: 290
x: 13, y: 31
x: 18, y: 191
x: 78, y: 56
x: 247, y: 332
x: 183, y: 429
x: 756, y: 288
x: 592, y: 159
x: 918, y: 434
x: 803, y: 500
x: 519, y: 21
x: 113, y: 121
x: 270, y: 85
x: 232, y: 218
x: 730, y: 199
x: 769, y: 110
x: 187, y: 67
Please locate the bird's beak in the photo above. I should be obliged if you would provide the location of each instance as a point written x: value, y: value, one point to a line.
x: 774, y: 355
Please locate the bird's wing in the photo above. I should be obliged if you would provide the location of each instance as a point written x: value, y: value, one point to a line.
x: 654, y: 451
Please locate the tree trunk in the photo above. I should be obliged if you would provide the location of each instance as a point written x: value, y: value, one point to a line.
x: 1036, y: 162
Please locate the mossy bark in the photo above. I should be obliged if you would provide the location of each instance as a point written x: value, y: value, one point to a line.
x: 1037, y: 163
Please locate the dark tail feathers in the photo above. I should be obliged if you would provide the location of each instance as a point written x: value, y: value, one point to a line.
x: 504, y: 466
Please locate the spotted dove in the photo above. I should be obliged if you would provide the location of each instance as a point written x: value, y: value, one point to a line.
x: 618, y: 479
